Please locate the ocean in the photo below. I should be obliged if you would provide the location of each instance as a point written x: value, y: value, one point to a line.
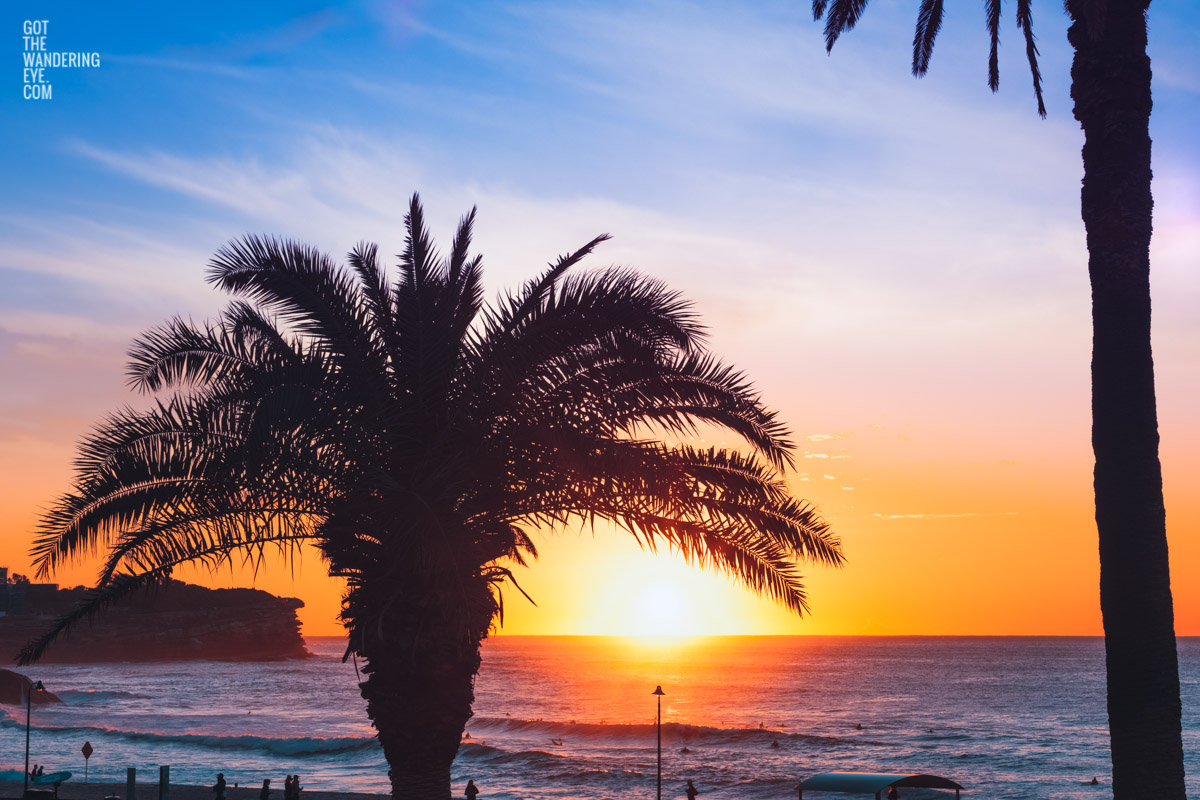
x: 565, y: 717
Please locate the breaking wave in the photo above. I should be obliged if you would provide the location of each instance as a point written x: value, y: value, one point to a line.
x: 299, y: 746
x: 674, y: 733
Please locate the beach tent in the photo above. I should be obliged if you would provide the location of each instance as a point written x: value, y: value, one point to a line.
x: 875, y: 783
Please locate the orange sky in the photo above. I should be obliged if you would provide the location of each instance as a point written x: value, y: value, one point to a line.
x: 938, y: 543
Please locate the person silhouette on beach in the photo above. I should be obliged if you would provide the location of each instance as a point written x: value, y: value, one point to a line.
x: 265, y: 792
x: 690, y: 791
x: 287, y: 787
x: 472, y: 791
x: 219, y: 786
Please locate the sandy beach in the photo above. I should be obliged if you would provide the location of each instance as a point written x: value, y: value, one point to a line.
x: 77, y: 790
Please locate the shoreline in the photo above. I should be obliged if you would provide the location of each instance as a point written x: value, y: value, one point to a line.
x: 78, y: 790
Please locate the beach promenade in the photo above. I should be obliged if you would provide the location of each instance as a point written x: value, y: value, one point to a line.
x: 73, y: 790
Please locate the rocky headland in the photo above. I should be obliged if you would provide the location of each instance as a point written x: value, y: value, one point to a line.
x: 173, y: 622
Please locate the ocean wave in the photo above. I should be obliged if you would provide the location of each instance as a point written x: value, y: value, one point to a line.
x: 298, y: 746
x: 551, y: 766
x: 527, y: 759
x: 79, y: 697
x: 674, y: 733
x: 477, y: 750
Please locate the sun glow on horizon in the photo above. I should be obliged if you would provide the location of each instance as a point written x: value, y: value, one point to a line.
x: 640, y: 595
x: 666, y: 610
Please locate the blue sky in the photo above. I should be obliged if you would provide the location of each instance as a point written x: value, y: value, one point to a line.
x: 880, y: 253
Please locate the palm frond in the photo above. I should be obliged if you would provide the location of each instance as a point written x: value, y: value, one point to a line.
x: 464, y: 281
x: 992, y: 12
x: 929, y: 22
x: 460, y: 247
x: 212, y: 541
x: 519, y: 308
x: 418, y: 262
x: 308, y: 291
x: 701, y: 388
x: 841, y: 16
x: 1025, y: 23
x: 179, y: 353
x: 364, y: 260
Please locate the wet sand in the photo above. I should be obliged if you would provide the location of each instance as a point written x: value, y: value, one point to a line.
x: 77, y: 790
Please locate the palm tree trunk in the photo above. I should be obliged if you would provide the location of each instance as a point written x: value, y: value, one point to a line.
x: 419, y: 687
x: 1111, y: 89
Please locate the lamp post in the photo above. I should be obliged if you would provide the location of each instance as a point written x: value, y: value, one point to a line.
x: 659, y: 692
x: 36, y: 687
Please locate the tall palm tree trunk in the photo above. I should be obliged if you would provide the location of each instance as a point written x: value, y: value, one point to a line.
x: 1111, y: 88
x: 419, y: 687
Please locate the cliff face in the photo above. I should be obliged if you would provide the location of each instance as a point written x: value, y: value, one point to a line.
x: 174, y: 622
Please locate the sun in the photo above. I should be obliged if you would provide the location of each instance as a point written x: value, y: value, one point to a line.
x: 660, y: 597
x: 614, y: 588
x: 664, y: 608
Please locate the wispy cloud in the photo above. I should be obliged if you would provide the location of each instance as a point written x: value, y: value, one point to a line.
x: 25, y: 323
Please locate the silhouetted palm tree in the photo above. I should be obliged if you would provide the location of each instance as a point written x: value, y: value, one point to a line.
x: 1110, y: 83
x: 417, y: 438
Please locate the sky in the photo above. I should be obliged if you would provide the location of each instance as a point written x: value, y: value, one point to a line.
x: 898, y: 264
